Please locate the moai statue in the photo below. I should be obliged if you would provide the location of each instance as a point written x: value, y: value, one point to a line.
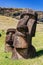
x: 23, y: 37
x: 9, y: 39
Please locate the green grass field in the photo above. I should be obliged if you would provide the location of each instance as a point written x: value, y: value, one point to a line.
x: 37, y: 43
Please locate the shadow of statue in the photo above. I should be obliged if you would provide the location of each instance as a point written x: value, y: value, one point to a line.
x: 39, y: 53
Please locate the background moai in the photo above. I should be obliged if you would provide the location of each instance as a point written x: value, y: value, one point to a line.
x: 9, y: 39
x: 23, y: 37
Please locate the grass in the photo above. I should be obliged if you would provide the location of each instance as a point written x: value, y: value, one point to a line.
x: 7, y: 22
x: 37, y: 42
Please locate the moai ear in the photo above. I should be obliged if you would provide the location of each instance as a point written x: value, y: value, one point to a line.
x: 32, y: 24
x: 31, y: 27
x: 35, y: 24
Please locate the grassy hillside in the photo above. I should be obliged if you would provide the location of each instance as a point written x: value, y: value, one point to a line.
x: 7, y: 22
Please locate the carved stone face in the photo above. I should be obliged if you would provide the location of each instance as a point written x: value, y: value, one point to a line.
x: 9, y: 39
x: 9, y: 36
x: 31, y: 23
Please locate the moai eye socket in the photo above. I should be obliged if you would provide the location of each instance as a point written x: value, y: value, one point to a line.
x: 31, y: 17
x: 24, y: 16
x: 7, y: 33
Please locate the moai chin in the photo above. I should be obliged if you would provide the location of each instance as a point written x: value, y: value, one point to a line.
x: 26, y: 29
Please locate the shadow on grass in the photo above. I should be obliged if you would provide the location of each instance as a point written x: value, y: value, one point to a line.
x: 39, y: 53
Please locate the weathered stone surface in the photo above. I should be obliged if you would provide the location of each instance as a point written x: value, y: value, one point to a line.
x: 31, y: 52
x: 20, y: 41
x: 19, y: 53
x: 8, y: 48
